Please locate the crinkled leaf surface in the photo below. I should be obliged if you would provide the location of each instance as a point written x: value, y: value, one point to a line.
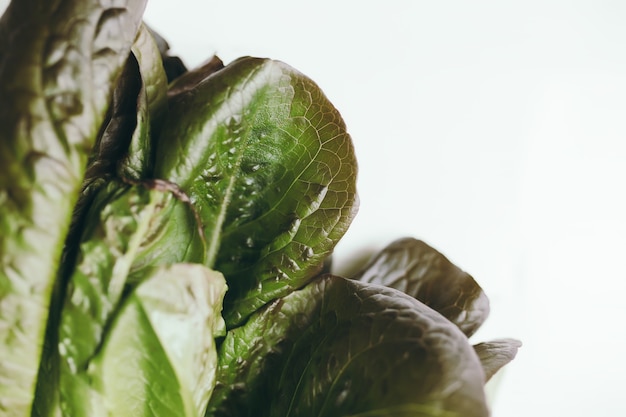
x: 123, y: 147
x: 496, y: 353
x: 59, y: 61
x: 267, y: 161
x: 137, y: 109
x: 113, y: 141
x: 138, y: 106
x: 340, y: 347
x: 419, y: 270
x: 159, y: 356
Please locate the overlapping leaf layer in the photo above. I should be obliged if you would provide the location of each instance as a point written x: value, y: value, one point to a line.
x: 163, y: 233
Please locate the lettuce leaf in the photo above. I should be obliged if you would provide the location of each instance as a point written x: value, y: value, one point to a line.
x: 158, y: 357
x: 59, y: 62
x: 344, y: 347
x: 122, y: 244
x: 266, y: 160
x: 414, y: 267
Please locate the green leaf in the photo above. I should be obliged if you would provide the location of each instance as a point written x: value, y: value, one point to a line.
x: 419, y: 270
x: 123, y: 147
x: 266, y: 159
x: 59, y: 62
x: 340, y: 347
x: 496, y: 353
x: 151, y: 107
x: 122, y: 243
x: 159, y: 356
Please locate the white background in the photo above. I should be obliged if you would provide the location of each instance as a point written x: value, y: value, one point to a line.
x: 493, y: 130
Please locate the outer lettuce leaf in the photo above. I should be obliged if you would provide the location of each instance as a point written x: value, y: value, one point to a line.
x: 340, y: 347
x: 59, y: 61
x: 419, y: 270
x: 266, y: 159
x: 496, y: 353
x: 123, y: 147
x: 117, y: 130
x: 159, y: 356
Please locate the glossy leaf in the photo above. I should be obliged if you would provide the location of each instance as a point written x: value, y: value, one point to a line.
x: 59, y: 62
x: 159, y: 356
x: 266, y: 159
x: 122, y: 243
x: 419, y: 270
x: 138, y: 107
x: 112, y: 144
x: 496, y: 353
x: 343, y: 347
x: 123, y: 147
x: 151, y: 107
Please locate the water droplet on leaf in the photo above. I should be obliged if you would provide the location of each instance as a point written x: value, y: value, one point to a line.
x: 307, y: 253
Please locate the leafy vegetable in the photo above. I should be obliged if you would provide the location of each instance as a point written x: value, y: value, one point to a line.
x: 119, y: 251
x: 342, y: 347
x: 165, y: 332
x: 419, y: 270
x: 59, y: 64
x: 123, y: 147
x: 171, y: 232
x: 271, y: 170
x: 138, y: 106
